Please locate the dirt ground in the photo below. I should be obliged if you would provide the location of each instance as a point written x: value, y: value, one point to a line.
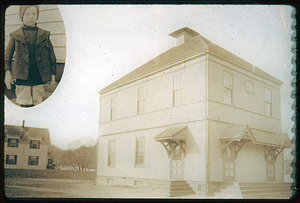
x: 64, y: 188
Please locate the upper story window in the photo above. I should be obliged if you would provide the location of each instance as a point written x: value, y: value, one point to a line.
x: 11, y: 159
x: 249, y: 86
x: 140, y: 151
x: 141, y: 100
x: 268, y: 102
x: 227, y: 83
x: 12, y: 142
x: 34, y: 144
x: 111, y: 153
x: 33, y: 160
x: 113, y: 109
x: 178, y: 89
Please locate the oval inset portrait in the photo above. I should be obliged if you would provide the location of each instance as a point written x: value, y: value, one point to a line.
x: 35, y: 52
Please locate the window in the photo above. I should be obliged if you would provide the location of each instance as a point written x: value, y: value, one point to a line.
x: 178, y: 89
x: 268, y: 102
x: 111, y: 153
x: 249, y: 86
x: 13, y: 142
x: 227, y: 80
x: 141, y: 100
x: 113, y: 111
x: 33, y: 160
x: 140, y: 151
x: 11, y: 159
x: 34, y: 144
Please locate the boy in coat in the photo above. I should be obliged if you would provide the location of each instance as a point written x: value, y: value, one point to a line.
x: 29, y: 59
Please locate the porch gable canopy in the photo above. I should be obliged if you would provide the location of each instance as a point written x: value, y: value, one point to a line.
x: 240, y: 135
x: 237, y: 133
x: 173, y: 133
x: 172, y: 137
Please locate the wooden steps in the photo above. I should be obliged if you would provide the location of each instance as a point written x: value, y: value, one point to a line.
x: 166, y: 188
x: 180, y: 188
x: 253, y: 190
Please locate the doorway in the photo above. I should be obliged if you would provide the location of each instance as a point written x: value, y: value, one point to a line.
x: 229, y: 163
x: 177, y: 164
x: 271, y: 166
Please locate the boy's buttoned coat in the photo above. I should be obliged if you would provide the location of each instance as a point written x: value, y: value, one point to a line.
x: 17, y: 55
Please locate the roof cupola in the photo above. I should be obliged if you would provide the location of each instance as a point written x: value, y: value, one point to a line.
x: 183, y: 35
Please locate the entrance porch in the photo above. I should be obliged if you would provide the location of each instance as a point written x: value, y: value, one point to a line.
x: 250, y: 155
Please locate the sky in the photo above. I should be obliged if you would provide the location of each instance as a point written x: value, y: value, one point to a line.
x: 105, y: 43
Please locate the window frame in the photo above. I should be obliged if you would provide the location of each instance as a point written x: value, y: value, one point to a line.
x: 9, y: 144
x: 30, y: 159
x: 178, y: 89
x: 31, y: 144
x: 111, y: 155
x: 113, y: 107
x: 140, y: 151
x: 141, y: 99
x: 227, y: 88
x: 268, y: 102
x: 7, y: 160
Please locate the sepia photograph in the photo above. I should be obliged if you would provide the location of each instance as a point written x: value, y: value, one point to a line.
x: 149, y: 101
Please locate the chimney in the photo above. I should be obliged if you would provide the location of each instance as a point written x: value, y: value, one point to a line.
x: 184, y: 34
x: 23, y: 124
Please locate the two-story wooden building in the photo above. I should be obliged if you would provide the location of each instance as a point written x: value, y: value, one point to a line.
x: 197, y: 114
x: 25, y: 147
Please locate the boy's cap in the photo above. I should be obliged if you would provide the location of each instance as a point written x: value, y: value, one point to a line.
x: 23, y: 9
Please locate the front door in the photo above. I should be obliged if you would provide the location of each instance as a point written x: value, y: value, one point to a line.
x: 177, y: 163
x: 271, y: 167
x: 229, y: 163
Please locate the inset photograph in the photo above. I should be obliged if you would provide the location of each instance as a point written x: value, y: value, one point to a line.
x: 35, y: 52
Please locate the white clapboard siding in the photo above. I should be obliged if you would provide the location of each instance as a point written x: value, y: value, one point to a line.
x: 49, y: 19
x: 60, y: 54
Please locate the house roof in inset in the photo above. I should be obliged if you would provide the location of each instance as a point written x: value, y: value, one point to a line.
x: 197, y: 44
x: 27, y: 133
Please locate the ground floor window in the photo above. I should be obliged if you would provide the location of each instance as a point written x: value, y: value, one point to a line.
x: 111, y: 153
x: 33, y: 160
x: 140, y: 151
x: 11, y: 159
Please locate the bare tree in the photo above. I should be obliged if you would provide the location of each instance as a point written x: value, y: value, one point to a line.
x: 81, y: 159
x: 55, y: 153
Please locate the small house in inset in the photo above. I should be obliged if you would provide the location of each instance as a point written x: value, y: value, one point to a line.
x: 25, y: 147
x: 190, y: 119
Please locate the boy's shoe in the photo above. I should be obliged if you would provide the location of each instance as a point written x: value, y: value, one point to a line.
x: 28, y: 105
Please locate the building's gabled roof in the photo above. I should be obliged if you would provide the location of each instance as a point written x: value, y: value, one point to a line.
x: 191, y: 47
x: 197, y: 44
x: 27, y: 133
